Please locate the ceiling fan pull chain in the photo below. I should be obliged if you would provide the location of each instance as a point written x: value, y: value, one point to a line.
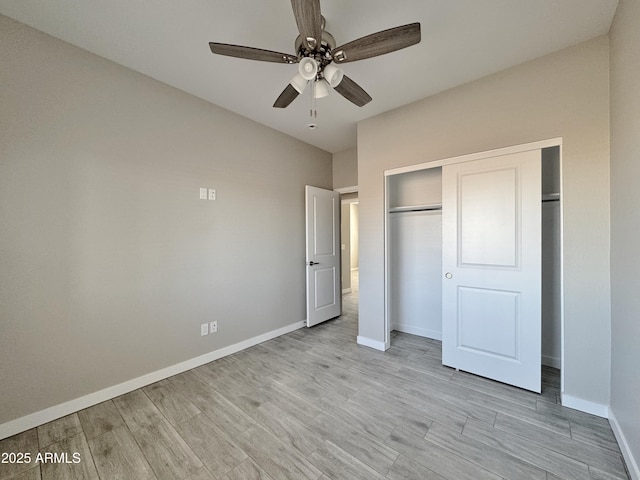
x: 314, y: 112
x: 313, y: 86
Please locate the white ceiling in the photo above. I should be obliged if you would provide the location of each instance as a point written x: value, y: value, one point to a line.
x: 462, y: 40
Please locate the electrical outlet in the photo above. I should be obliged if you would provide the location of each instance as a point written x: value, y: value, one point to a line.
x: 204, y: 329
x: 213, y: 327
x: 203, y: 193
x: 212, y: 194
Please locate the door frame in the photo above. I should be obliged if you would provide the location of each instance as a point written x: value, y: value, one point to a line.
x: 552, y: 142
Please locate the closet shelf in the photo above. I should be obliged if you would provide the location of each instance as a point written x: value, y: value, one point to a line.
x: 416, y: 208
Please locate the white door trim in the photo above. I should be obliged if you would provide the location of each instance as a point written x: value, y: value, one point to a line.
x: 343, y: 190
x: 552, y: 142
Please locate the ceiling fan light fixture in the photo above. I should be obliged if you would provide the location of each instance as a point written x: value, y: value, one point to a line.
x: 298, y: 82
x: 315, y: 51
x: 321, y: 89
x: 333, y: 75
x: 308, y: 68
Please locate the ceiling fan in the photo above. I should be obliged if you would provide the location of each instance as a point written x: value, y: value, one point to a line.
x: 317, y: 55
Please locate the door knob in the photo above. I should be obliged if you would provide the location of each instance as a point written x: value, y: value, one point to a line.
x: 313, y: 263
x: 448, y: 275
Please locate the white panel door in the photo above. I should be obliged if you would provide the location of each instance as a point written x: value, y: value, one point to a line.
x: 324, y: 299
x: 491, y: 265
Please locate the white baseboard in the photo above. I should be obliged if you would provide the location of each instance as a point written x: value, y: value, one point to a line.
x: 597, y: 409
x: 550, y: 361
x: 32, y: 420
x: 421, y: 332
x: 368, y: 342
x: 346, y: 290
x: 632, y: 463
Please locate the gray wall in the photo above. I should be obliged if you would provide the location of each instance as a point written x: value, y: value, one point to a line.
x: 625, y: 226
x: 565, y: 94
x: 345, y: 168
x: 109, y: 262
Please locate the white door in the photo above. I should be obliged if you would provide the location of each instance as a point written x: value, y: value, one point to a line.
x: 324, y: 299
x: 491, y: 290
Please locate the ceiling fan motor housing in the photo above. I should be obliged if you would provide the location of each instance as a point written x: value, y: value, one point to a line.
x: 322, y: 54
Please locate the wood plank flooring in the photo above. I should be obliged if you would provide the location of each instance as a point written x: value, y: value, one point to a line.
x: 314, y: 405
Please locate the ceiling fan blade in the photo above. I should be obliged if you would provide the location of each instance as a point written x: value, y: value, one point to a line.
x: 309, y: 21
x: 378, y: 43
x: 251, y: 53
x: 352, y: 92
x: 287, y: 96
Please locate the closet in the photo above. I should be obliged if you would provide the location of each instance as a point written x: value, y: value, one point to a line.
x: 415, y: 240
x: 415, y: 250
x: 551, y: 259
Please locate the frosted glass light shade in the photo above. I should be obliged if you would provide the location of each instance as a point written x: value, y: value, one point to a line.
x: 333, y: 75
x: 321, y: 89
x: 308, y: 68
x: 298, y: 82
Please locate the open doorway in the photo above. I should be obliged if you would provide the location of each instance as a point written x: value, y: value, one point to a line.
x: 349, y: 243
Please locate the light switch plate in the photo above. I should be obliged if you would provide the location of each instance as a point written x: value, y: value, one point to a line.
x: 203, y: 193
x: 213, y: 327
x: 212, y: 194
x: 204, y: 329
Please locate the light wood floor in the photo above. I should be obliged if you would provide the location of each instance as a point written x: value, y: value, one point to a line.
x: 314, y: 405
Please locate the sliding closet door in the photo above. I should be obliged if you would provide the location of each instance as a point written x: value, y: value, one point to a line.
x: 492, y: 268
